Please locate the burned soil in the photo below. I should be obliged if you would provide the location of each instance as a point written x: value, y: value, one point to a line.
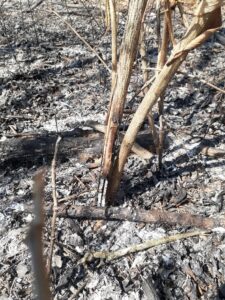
x: 51, y: 84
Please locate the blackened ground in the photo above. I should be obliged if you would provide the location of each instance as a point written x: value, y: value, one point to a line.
x: 50, y: 81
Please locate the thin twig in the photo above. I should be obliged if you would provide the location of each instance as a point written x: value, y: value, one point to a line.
x: 112, y: 255
x: 144, y: 67
x: 55, y: 206
x: 161, y: 142
x: 112, y: 6
x: 163, y: 48
x: 158, y: 22
x: 81, y: 38
x: 213, y: 86
x: 143, y: 88
x: 144, y: 63
x: 209, y: 84
x: 114, y: 54
x: 153, y: 130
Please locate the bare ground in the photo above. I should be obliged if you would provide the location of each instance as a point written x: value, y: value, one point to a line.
x: 49, y: 81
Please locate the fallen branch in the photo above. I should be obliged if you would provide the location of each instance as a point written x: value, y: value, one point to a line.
x: 153, y: 216
x: 30, y: 147
x: 80, y: 143
x: 112, y: 255
x: 84, y: 144
x: 54, y: 208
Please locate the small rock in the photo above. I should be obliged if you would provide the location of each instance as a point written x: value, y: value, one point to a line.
x: 28, y: 218
x: 79, y: 250
x: 18, y: 207
x: 57, y: 261
x: 75, y: 240
x: 93, y: 282
x: 3, y: 98
x: 2, y: 219
x: 73, y: 290
x: 21, y: 270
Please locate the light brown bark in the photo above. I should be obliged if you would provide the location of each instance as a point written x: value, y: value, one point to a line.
x: 206, y: 21
x: 126, y: 60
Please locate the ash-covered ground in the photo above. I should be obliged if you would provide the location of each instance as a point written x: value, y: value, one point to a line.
x: 49, y: 82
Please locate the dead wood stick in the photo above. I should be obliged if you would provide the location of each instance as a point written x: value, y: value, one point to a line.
x: 55, y: 206
x: 31, y: 147
x: 112, y: 255
x: 163, y: 48
x: 80, y: 143
x: 34, y: 239
x: 153, y: 216
x: 144, y: 63
x: 213, y: 152
x: 136, y: 149
x: 143, y: 88
x: 158, y: 21
x: 206, y: 21
x: 124, y: 69
x: 112, y: 6
x: 213, y: 86
x: 144, y: 66
x: 153, y: 130
x: 81, y: 38
x: 160, y: 146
